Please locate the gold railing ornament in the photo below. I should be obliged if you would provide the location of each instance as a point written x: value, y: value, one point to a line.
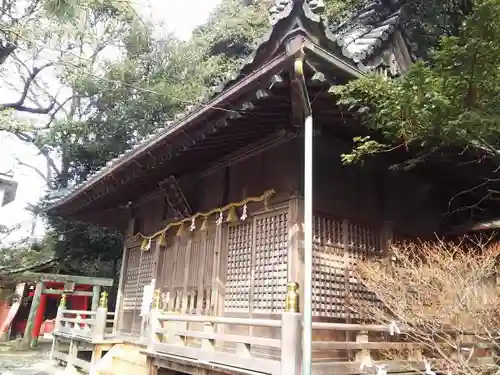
x: 292, y: 298
x: 103, y: 301
x: 62, y: 302
x: 156, y: 300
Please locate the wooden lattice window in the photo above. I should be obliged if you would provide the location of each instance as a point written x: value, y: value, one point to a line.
x: 239, y: 267
x: 338, y: 245
x: 257, y: 264
x: 131, y: 277
x: 362, y: 242
x: 271, y: 261
x: 139, y: 273
x: 328, y: 268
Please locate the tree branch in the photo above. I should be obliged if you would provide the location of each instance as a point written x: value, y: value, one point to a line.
x: 29, y: 139
x: 35, y: 169
x: 19, y: 104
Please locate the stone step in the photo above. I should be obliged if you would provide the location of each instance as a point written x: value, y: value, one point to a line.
x: 122, y: 359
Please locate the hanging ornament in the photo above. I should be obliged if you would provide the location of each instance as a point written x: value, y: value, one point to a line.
x: 244, y: 214
x: 192, y: 227
x: 204, y: 224
x: 180, y: 231
x: 148, y: 245
x: 144, y: 244
x: 231, y: 215
x: 381, y: 369
x: 220, y: 219
x: 393, y: 328
x: 428, y: 370
x: 162, y: 241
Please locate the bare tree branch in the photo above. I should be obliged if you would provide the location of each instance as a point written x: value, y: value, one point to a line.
x: 19, y: 104
x: 32, y: 167
x: 29, y: 139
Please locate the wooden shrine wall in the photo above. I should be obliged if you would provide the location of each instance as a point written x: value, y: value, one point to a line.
x: 371, y: 192
x: 241, y: 268
x: 185, y: 273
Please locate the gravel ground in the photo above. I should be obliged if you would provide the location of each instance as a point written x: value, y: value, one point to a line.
x: 35, y: 362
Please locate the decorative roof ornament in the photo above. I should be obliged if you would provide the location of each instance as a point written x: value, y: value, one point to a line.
x: 316, y: 6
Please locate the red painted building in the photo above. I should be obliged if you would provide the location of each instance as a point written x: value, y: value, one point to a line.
x: 16, y: 299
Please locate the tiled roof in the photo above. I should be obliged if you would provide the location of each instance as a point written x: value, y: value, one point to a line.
x: 359, y: 39
x: 40, y: 265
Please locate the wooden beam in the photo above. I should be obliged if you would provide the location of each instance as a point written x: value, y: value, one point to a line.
x: 243, y: 153
x: 43, y: 277
x: 121, y: 282
x: 75, y: 293
x: 326, y: 56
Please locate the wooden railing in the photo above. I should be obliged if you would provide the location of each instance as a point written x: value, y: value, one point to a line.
x: 93, y: 325
x: 88, y: 324
x: 378, y: 349
x: 170, y: 335
x: 365, y: 353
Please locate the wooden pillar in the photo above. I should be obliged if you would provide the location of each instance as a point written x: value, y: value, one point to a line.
x: 347, y: 277
x: 96, y: 292
x: 119, y: 294
x: 187, y: 270
x: 40, y: 313
x: 202, y: 272
x: 217, y: 299
x: 96, y: 357
x: 28, y: 332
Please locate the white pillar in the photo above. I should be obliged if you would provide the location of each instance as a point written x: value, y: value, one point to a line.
x: 308, y: 246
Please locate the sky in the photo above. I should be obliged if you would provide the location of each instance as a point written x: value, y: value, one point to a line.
x: 179, y: 17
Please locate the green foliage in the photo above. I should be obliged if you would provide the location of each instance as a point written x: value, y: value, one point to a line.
x: 26, y: 254
x: 84, y: 248
x: 452, y: 100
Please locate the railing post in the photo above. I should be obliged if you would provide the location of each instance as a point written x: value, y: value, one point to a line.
x: 154, y: 321
x: 363, y: 356
x: 291, y: 333
x: 100, y: 317
x: 58, y: 325
x: 60, y: 312
x: 208, y: 344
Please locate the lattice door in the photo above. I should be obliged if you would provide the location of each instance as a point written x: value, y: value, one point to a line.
x: 138, y: 273
x: 239, y: 267
x: 271, y: 262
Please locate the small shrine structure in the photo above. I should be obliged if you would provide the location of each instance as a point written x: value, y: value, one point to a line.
x: 38, y: 293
